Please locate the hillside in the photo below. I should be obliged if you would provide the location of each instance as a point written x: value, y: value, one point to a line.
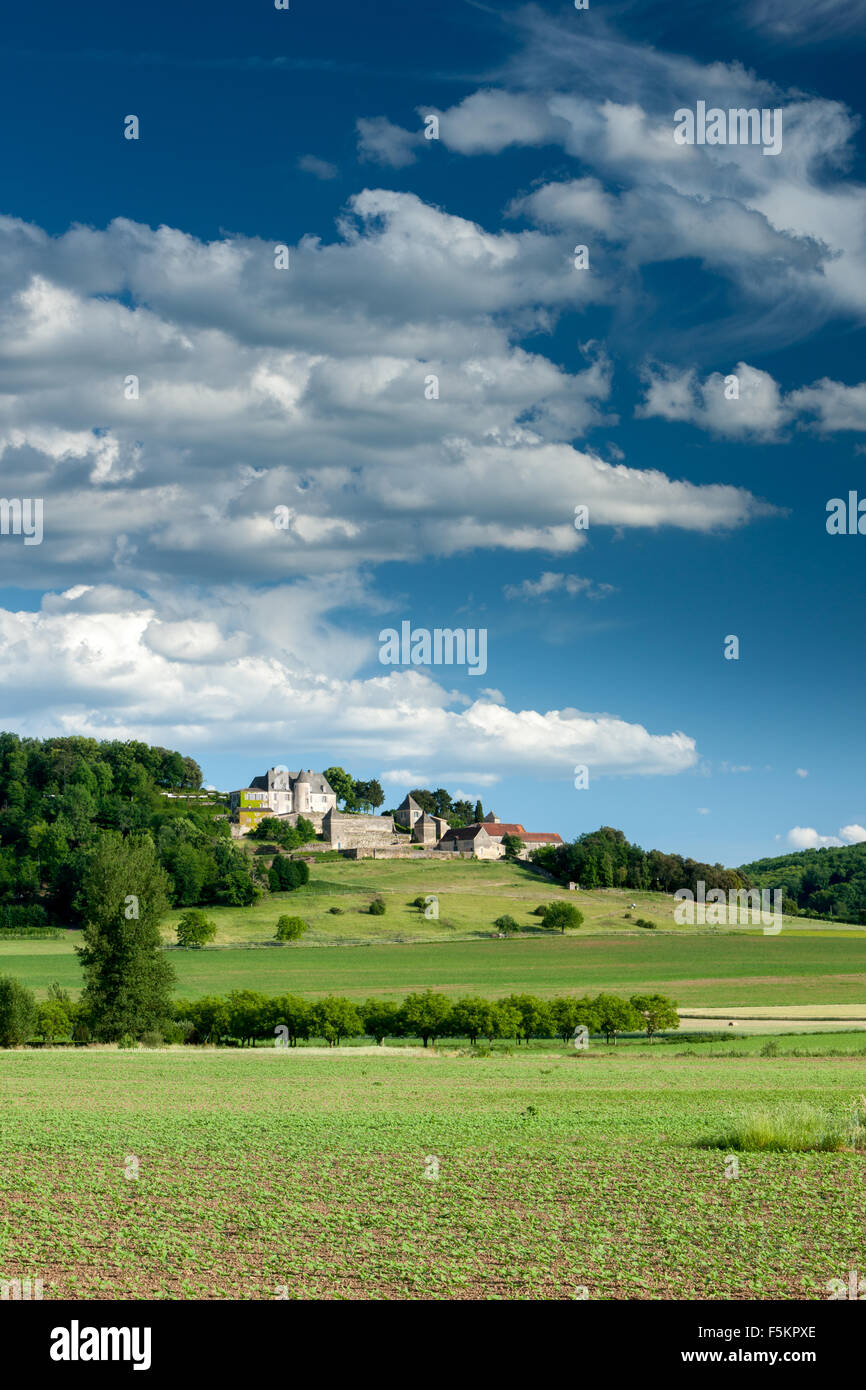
x: 827, y: 882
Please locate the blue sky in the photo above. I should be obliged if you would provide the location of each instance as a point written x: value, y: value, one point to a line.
x: 164, y: 604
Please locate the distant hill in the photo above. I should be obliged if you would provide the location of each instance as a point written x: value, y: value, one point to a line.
x: 828, y: 882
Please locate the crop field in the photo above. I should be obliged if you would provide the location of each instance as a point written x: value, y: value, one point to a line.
x: 369, y: 1173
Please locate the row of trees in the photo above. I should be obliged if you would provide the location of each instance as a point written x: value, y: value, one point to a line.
x: 605, y: 859
x: 248, y: 1017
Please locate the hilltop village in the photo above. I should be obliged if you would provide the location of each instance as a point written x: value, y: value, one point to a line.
x: 409, y: 830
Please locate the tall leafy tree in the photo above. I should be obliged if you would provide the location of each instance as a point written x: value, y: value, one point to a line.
x: 128, y: 980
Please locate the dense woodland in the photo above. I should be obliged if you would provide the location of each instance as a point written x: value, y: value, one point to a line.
x: 605, y: 859
x: 59, y: 797
x: 828, y: 882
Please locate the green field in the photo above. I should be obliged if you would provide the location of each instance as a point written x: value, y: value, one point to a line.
x: 696, y: 970
x: 358, y: 955
x: 301, y: 1174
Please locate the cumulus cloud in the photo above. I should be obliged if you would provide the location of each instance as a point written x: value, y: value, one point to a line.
x: 804, y: 837
x: 747, y: 403
x: 802, y: 772
x: 244, y: 399
x: 77, y: 667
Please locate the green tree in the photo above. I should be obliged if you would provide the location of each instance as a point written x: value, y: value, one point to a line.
x: 534, y: 1015
x: 344, y: 785
x: 18, y: 1017
x: 512, y: 844
x: 381, y: 1019
x: 426, y: 1015
x: 657, y: 1011
x: 292, y: 1013
x: 478, y: 813
x: 616, y: 1016
x: 249, y: 1014
x: 334, y: 1018
x: 377, y: 907
x: 568, y: 1014
x: 195, y: 928
x: 471, y: 1017
x: 55, y: 1018
x: 561, y: 915
x: 127, y: 978
x: 290, y: 928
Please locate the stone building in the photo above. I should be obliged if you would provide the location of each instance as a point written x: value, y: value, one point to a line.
x: 428, y: 830
x: 408, y: 812
x: 279, y: 792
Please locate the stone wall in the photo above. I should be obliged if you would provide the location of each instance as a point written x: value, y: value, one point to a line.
x: 358, y: 832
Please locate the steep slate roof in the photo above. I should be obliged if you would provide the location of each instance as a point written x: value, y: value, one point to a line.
x: 316, y: 781
x: 408, y: 804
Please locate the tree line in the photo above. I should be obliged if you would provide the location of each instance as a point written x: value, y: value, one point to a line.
x: 246, y: 1017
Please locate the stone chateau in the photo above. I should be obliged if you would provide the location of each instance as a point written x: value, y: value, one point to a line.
x: 279, y: 792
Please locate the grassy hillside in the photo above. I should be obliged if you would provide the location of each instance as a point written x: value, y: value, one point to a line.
x: 356, y: 954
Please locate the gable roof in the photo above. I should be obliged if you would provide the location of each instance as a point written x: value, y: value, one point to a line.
x: 467, y: 832
x: 496, y: 829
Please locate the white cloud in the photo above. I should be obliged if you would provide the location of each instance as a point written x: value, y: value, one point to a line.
x: 802, y: 772
x: 703, y: 810
x: 784, y: 230
x: 113, y: 673
x: 804, y: 837
x: 552, y: 583
x: 854, y: 834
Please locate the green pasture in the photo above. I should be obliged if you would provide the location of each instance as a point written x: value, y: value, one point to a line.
x: 698, y: 970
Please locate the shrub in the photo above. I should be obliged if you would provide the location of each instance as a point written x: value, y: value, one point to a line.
x: 377, y: 907
x: 540, y: 910
x: 126, y: 1041
x: 335, y: 911
x: 195, y: 928
x: 151, y: 1038
x: 642, y: 922
x: 560, y: 915
x: 290, y: 928
x: 770, y: 1049
x: 285, y: 875
x: 18, y: 1018
x: 506, y: 924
